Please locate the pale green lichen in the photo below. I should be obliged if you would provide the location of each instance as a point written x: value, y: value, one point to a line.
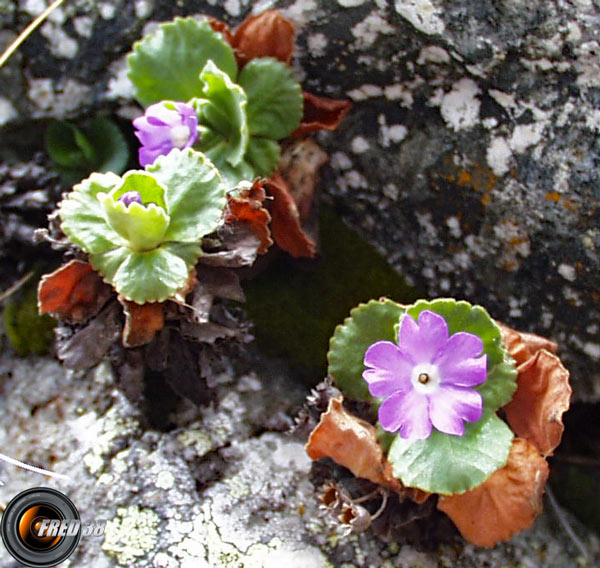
x: 132, y: 534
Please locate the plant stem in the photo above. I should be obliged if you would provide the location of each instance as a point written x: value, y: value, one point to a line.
x: 27, y: 31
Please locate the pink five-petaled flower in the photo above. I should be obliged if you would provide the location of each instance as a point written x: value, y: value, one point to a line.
x: 427, y: 378
x: 164, y: 126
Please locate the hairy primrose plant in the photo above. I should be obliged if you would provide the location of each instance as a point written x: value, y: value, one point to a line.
x: 161, y: 244
x: 465, y: 409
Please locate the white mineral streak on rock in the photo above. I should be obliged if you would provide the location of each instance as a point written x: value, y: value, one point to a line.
x: 526, y: 135
x: 498, y: 156
x: 460, y: 107
x: 60, y: 44
x: 7, y: 111
x: 567, y: 272
x: 367, y: 31
x: 422, y: 14
x: 433, y: 54
x: 316, y: 44
x: 350, y: 3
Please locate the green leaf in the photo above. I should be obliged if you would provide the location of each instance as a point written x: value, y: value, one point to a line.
x: 263, y: 155
x: 195, y: 194
x: 98, y: 146
x: 452, y: 464
x: 275, y: 101
x: 146, y: 185
x: 151, y: 276
x: 166, y: 65
x: 367, y: 324
x: 223, y: 110
x: 110, y: 146
x: 67, y: 145
x: 83, y: 218
x: 501, y: 381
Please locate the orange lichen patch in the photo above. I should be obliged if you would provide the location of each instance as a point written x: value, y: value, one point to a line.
x: 299, y: 167
x: 74, y: 292
x: 522, y: 346
x: 553, y: 196
x: 542, y: 396
x: 248, y: 208
x: 285, y: 226
x: 350, y: 442
x: 142, y: 322
x: 268, y: 34
x: 321, y: 113
x: 506, y: 503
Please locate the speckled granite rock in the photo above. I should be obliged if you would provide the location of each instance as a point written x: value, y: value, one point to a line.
x: 471, y: 155
x: 219, y: 490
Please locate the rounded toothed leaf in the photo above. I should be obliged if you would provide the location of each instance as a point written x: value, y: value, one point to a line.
x: 166, y: 65
x: 367, y: 324
x: 448, y: 464
x: 82, y: 216
x: 275, y: 101
x: 195, y: 194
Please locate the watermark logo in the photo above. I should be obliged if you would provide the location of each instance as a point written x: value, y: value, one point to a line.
x: 41, y: 527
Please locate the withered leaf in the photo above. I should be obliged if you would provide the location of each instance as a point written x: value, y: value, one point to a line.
x: 268, y: 34
x: 86, y: 347
x: 248, y: 208
x: 74, y: 292
x: 221, y: 27
x: 239, y: 248
x: 321, y: 113
x: 542, y: 396
x: 299, y: 167
x: 522, y: 346
x: 350, y: 442
x: 142, y: 322
x: 214, y: 282
x: 506, y: 503
x: 285, y: 226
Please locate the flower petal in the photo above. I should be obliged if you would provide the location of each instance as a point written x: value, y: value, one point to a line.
x: 407, y: 412
x: 460, y: 346
x: 391, y: 369
x: 423, y: 340
x: 150, y: 135
x: 450, y: 406
x: 465, y: 373
x: 148, y: 155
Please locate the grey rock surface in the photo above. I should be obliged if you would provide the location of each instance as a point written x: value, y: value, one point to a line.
x: 470, y: 158
x: 218, y: 490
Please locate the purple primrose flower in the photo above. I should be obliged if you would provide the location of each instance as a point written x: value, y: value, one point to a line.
x: 427, y: 378
x: 164, y: 126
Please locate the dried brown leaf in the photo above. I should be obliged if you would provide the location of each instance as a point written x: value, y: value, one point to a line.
x: 321, y: 113
x: 248, y: 208
x: 268, y: 34
x: 523, y: 346
x: 239, y: 247
x: 299, y: 167
x: 214, y: 282
x: 142, y: 322
x: 350, y: 442
x: 86, y: 347
x: 542, y: 396
x: 221, y: 27
x: 74, y: 292
x: 506, y: 503
x: 285, y: 226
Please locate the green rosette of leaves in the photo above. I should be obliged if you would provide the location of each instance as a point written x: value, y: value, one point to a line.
x: 241, y: 115
x: 441, y: 463
x: 146, y: 248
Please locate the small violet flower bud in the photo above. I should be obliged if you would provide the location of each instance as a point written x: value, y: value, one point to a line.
x: 164, y: 126
x: 130, y: 197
